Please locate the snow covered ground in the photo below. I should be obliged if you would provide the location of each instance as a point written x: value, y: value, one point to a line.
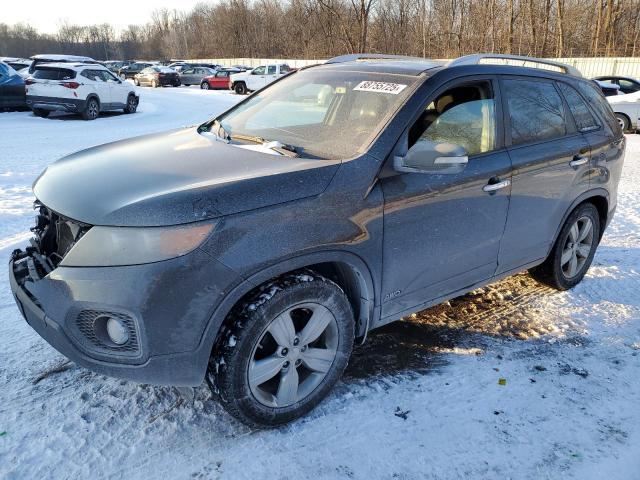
x: 422, y: 399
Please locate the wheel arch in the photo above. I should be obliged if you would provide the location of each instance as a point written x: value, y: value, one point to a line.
x: 93, y: 95
x: 599, y: 197
x: 623, y: 114
x: 346, y: 269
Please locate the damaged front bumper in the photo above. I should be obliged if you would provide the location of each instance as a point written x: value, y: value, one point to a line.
x: 167, y: 306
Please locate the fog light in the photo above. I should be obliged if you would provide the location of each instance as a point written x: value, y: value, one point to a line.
x: 117, y: 331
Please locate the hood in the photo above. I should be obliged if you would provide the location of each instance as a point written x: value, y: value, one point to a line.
x: 174, y: 177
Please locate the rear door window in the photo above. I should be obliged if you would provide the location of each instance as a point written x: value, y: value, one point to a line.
x: 44, y: 73
x: 535, y: 109
x: 581, y: 114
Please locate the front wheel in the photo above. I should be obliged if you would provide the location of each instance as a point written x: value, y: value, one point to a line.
x: 573, y: 251
x: 240, y: 88
x: 123, y: 77
x: 91, y: 109
x: 136, y: 82
x: 154, y: 83
x: 283, y: 350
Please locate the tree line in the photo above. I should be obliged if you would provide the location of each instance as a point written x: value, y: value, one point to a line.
x: 325, y: 28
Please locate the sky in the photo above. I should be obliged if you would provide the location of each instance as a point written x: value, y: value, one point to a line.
x: 46, y: 15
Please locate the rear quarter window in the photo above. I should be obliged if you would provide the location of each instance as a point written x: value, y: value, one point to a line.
x: 44, y: 73
x: 599, y: 103
x: 581, y: 114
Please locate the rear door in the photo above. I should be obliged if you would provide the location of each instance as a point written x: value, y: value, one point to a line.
x: 100, y: 87
x: 551, y: 167
x: 118, y: 91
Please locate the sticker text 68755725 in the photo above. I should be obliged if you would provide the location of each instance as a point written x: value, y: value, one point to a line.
x: 380, y: 87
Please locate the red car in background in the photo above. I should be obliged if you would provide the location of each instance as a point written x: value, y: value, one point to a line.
x: 218, y: 81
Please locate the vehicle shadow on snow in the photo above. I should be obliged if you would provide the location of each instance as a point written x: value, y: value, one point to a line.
x: 66, y: 116
x: 510, y: 309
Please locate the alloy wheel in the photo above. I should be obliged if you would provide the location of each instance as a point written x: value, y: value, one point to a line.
x: 92, y: 109
x: 577, y: 247
x: 293, y: 355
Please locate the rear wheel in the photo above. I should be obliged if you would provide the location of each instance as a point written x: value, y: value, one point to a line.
x: 38, y: 112
x: 132, y: 104
x: 283, y: 350
x: 154, y: 83
x: 136, y: 82
x: 204, y: 86
x: 573, y: 251
x: 240, y: 88
x: 123, y: 77
x: 91, y: 109
x: 623, y: 121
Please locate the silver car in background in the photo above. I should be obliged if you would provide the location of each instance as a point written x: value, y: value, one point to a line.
x: 194, y: 75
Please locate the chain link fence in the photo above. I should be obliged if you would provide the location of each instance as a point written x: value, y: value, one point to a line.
x: 590, y: 67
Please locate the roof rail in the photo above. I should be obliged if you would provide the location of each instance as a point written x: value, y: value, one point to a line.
x: 516, y: 60
x: 352, y: 57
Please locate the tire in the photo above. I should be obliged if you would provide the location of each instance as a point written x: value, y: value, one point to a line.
x: 38, y: 112
x: 569, y: 259
x: 205, y: 86
x: 154, y: 83
x: 136, y: 82
x: 291, y: 301
x: 91, y: 109
x: 123, y: 77
x: 132, y: 104
x: 240, y: 88
x: 623, y: 121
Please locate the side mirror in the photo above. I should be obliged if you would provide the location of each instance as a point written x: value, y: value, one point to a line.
x: 431, y: 157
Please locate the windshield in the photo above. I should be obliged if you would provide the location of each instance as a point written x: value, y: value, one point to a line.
x: 316, y: 113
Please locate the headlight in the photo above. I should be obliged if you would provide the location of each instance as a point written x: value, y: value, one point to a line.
x: 117, y: 246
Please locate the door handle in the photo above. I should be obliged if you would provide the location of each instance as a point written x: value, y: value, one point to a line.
x: 492, y: 187
x: 578, y: 160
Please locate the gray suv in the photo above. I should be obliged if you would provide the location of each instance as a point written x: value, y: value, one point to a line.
x: 251, y: 252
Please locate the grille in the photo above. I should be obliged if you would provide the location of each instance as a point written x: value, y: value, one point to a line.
x: 92, y: 325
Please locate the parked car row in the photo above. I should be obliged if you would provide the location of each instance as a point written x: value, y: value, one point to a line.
x: 623, y: 94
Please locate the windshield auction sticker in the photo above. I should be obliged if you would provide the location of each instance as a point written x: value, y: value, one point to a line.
x: 380, y: 87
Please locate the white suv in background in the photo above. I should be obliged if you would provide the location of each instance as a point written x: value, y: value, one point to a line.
x: 83, y: 88
x: 257, y: 78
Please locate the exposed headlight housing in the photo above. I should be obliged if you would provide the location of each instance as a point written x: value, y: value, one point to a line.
x: 119, y: 246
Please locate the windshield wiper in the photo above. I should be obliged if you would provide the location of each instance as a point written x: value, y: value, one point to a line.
x: 276, y: 146
x: 248, y: 138
x: 284, y: 149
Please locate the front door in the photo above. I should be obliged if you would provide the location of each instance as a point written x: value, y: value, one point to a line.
x: 442, y: 232
x: 258, y: 78
x: 551, y: 168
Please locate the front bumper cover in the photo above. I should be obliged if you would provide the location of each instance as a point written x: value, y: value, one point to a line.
x: 172, y: 301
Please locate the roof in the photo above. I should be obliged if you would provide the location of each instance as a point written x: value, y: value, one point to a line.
x: 622, y: 77
x: 68, y: 65
x: 68, y: 58
x: 381, y: 63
